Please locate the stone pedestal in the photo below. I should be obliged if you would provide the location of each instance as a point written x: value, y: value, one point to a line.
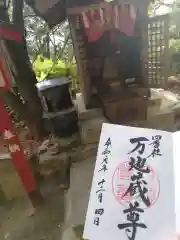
x: 91, y: 129
x: 163, y: 121
x: 91, y: 121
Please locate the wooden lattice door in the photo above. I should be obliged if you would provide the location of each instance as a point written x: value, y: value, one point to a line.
x: 158, y: 64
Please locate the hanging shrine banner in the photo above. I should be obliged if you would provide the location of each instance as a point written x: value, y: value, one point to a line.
x: 135, y: 190
x: 121, y: 17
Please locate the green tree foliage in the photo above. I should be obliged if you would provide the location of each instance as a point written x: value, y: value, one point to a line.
x: 51, y: 52
x: 173, y: 8
x: 47, y: 69
x: 41, y: 41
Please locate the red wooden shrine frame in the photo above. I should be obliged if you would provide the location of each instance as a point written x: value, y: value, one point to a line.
x: 7, y: 128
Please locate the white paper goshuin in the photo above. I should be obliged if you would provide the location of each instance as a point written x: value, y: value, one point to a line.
x: 135, y: 188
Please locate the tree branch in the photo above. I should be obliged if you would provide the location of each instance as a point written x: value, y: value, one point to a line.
x: 60, y: 54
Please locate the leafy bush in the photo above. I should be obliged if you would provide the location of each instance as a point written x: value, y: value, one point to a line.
x: 47, y: 69
x: 174, y: 45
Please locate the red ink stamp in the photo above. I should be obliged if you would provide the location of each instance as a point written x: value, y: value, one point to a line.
x: 122, y: 179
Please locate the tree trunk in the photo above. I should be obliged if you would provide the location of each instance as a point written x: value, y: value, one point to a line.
x: 24, y: 75
x: 17, y: 13
x: 15, y: 103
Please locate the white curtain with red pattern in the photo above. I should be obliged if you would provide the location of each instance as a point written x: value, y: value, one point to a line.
x: 96, y: 21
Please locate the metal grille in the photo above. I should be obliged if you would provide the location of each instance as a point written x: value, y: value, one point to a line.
x: 158, y: 44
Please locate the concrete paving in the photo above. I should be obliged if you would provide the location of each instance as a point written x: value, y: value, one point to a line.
x: 77, y: 198
x: 46, y: 224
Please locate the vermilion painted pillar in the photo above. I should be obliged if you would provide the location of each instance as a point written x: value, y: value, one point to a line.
x: 18, y: 158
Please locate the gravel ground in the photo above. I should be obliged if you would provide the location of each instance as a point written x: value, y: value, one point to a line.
x: 46, y: 224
